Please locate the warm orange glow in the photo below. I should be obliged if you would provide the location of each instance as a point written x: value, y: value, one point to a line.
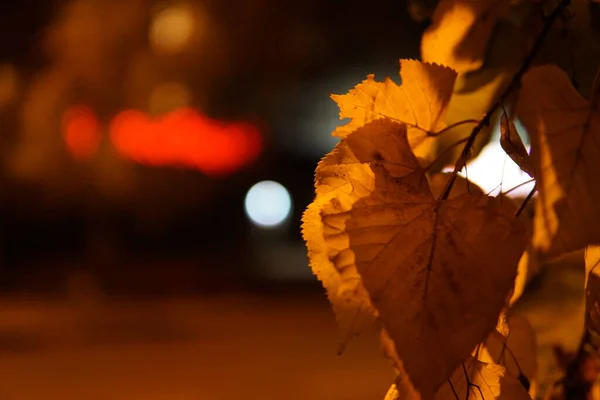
x: 81, y: 131
x: 172, y: 30
x: 185, y: 138
x: 9, y: 83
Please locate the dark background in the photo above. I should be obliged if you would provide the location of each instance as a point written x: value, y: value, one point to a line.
x: 123, y: 280
x: 160, y: 228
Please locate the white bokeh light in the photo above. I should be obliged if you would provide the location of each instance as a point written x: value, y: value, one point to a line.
x: 268, y: 204
x: 493, y: 171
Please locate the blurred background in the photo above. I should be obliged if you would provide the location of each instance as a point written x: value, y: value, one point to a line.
x: 155, y: 160
x: 132, y: 133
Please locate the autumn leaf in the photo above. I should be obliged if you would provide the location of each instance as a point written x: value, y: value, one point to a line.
x: 438, y: 273
x: 484, y: 42
x: 460, y: 31
x: 394, y: 394
x: 402, y: 387
x: 515, y: 350
x: 474, y: 94
x: 349, y: 299
x: 565, y: 141
x: 473, y: 380
x: 528, y: 267
x: 438, y: 182
x: 592, y: 292
x: 513, y: 146
x: 574, y: 45
x: 485, y: 381
x: 420, y: 102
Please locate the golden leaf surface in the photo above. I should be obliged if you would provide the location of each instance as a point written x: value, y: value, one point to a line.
x: 349, y: 299
x: 420, y: 102
x: 438, y: 182
x: 473, y: 380
x: 528, y: 267
x: 490, y: 380
x: 474, y: 94
x: 514, y: 350
x: 513, y: 146
x: 438, y: 273
x: 592, y: 292
x: 485, y: 381
x: 402, y: 387
x: 565, y: 150
x: 460, y: 31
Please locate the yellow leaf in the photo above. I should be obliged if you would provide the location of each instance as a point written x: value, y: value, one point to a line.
x: 513, y: 145
x: 393, y: 394
x: 438, y: 182
x: 351, y: 304
x: 565, y: 136
x: 474, y: 94
x: 592, y: 292
x: 473, y: 380
x: 528, y: 267
x: 402, y: 388
x: 592, y: 260
x: 460, y: 31
x: 420, y: 101
x: 574, y: 44
x: 514, y: 350
x: 485, y: 381
x: 438, y: 274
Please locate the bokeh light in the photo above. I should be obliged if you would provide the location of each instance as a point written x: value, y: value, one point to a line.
x: 494, y: 171
x: 168, y: 96
x: 81, y: 131
x: 185, y: 138
x: 172, y: 29
x: 268, y: 204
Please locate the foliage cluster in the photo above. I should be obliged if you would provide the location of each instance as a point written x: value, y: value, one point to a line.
x: 430, y: 256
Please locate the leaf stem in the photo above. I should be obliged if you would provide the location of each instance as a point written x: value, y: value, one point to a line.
x: 447, y: 128
x: 514, y: 83
x: 444, y: 153
x: 432, y: 133
x: 524, y: 203
x: 518, y: 186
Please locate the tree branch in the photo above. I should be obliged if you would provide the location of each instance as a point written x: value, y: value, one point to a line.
x: 514, y: 83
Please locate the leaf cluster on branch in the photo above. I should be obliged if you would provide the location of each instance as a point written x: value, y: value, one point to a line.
x: 431, y: 256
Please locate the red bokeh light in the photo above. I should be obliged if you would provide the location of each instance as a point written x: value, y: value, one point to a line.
x: 81, y: 131
x: 182, y: 138
x: 185, y: 138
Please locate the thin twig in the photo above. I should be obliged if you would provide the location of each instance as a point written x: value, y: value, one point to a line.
x: 492, y: 191
x: 524, y: 203
x: 428, y: 132
x: 454, y: 125
x: 453, y: 390
x: 503, y: 170
x: 444, y: 153
x: 469, y: 383
x: 514, y: 83
x: 518, y: 186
